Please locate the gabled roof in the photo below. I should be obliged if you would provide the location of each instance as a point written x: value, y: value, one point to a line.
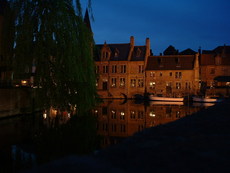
x: 218, y: 50
x: 138, y: 53
x: 170, y: 51
x: 173, y: 62
x: 221, y: 49
x: 119, y: 52
x: 188, y: 52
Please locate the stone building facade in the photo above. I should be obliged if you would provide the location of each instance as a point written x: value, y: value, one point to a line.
x: 215, y: 70
x: 121, y: 69
x: 173, y: 75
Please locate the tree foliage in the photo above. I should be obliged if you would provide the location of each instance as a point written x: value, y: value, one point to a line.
x: 51, y: 35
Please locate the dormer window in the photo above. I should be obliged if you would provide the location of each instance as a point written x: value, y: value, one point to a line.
x: 105, y: 55
x: 160, y: 62
x: 105, y: 52
x: 177, y: 60
x: 138, y: 53
x: 116, y: 54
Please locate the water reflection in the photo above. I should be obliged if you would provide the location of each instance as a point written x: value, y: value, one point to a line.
x: 118, y: 120
x: 32, y: 140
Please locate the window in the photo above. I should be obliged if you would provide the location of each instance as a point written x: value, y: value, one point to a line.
x: 114, y: 82
x: 152, y: 74
x: 140, y: 115
x: 170, y: 74
x: 132, y: 114
x: 105, y: 55
x: 97, y: 69
x: 114, y: 127
x: 122, y: 82
x: 97, y: 81
x: 105, y: 69
x: 178, y: 75
x: 116, y: 53
x: 152, y: 85
x: 161, y: 74
x: 104, y: 110
x: 122, y: 128
x: 114, y: 69
x: 141, y: 69
x: 187, y: 85
x: 122, y: 115
x: 140, y: 83
x: 123, y: 68
x: 138, y: 53
x: 113, y: 114
x: 178, y: 85
x: 133, y: 82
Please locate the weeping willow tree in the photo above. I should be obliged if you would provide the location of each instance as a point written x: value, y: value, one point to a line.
x: 52, y: 36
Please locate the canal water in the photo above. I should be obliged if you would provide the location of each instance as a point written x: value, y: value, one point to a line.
x: 31, y: 140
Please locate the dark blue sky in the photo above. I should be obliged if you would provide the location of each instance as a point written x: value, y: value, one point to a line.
x: 181, y: 23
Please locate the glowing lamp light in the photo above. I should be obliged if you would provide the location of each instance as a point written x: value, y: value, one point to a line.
x: 122, y: 113
x: 152, y: 114
x: 44, y: 115
x: 23, y: 82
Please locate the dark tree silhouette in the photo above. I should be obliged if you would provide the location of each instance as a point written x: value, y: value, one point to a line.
x: 51, y: 36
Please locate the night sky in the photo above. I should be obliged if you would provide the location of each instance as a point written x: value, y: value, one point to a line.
x: 181, y: 23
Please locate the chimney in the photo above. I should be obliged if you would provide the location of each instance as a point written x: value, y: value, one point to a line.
x: 132, y: 41
x: 148, y: 46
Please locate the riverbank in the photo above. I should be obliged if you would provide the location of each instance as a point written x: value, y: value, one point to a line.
x: 196, y: 143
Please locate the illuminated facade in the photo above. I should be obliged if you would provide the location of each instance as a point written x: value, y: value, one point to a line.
x: 215, y: 70
x: 120, y: 69
x: 173, y: 75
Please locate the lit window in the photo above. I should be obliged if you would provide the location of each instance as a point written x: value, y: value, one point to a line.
x: 122, y: 82
x: 114, y: 82
x: 152, y: 74
x: 113, y: 114
x: 132, y: 115
x: 140, y: 83
x: 178, y: 85
x: 122, y: 116
x: 152, y: 85
x: 97, y: 69
x: 133, y: 83
x: 152, y: 114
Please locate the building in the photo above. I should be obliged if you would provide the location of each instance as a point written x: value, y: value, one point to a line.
x: 173, y: 74
x: 121, y: 69
x: 215, y: 71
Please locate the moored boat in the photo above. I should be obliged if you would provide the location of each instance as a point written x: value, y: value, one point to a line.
x: 207, y: 99
x: 167, y: 99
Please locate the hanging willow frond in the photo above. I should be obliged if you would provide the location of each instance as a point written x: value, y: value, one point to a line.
x: 52, y: 35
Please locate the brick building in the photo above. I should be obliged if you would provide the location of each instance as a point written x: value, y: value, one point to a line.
x: 215, y: 70
x: 120, y: 69
x: 173, y: 74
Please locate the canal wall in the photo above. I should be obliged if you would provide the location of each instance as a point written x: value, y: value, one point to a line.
x: 14, y: 101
